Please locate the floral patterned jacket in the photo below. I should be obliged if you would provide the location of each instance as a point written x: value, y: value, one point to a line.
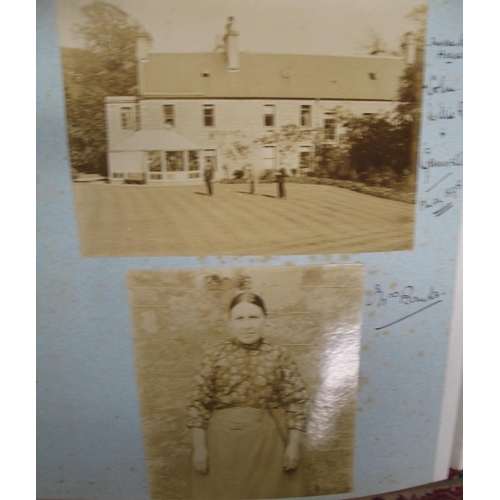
x: 259, y: 375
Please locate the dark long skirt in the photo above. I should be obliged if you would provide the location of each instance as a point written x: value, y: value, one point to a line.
x: 281, y: 190
x: 245, y: 459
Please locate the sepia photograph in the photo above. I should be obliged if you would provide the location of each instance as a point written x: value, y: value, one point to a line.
x: 229, y: 128
x: 247, y: 379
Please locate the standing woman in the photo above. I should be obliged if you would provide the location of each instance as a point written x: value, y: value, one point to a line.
x: 280, y: 179
x: 209, y: 175
x: 251, y: 179
x: 240, y: 450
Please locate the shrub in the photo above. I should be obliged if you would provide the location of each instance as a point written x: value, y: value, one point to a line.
x: 267, y: 175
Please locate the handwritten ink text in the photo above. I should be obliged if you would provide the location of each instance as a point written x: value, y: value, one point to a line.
x: 443, y: 54
x: 446, y: 42
x: 454, y: 161
x: 404, y: 296
x: 437, y: 85
x: 451, y: 192
x: 443, y: 113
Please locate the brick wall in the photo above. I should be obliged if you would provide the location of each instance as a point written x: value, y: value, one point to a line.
x: 314, y: 311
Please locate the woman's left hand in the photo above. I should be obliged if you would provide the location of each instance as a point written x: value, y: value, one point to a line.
x: 292, y: 450
x: 291, y: 458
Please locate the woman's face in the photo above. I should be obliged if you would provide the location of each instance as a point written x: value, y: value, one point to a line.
x: 246, y: 321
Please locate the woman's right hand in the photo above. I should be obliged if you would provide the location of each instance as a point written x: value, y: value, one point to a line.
x: 200, y: 459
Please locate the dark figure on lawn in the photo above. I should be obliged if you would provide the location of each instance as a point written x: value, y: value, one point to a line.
x: 252, y: 179
x: 280, y: 179
x: 209, y: 175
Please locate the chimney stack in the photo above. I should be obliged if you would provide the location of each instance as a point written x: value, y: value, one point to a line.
x: 141, y: 53
x: 409, y: 47
x: 231, y: 46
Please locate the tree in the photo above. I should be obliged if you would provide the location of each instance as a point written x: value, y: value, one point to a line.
x: 410, y: 91
x: 110, y: 36
x: 106, y: 66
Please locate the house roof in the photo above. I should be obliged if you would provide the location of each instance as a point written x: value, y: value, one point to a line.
x: 272, y: 76
x: 155, y: 140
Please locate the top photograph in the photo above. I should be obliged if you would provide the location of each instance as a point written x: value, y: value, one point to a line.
x: 243, y: 128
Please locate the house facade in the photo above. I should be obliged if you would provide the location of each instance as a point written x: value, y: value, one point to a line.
x: 219, y: 108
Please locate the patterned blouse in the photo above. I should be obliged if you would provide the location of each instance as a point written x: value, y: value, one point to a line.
x: 260, y: 375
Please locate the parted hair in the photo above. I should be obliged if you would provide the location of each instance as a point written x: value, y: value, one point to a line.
x: 251, y: 298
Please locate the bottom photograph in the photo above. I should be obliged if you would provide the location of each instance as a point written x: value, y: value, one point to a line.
x: 247, y: 379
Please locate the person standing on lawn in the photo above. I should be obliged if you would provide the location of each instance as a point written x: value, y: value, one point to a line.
x: 209, y: 175
x: 252, y: 179
x: 280, y: 179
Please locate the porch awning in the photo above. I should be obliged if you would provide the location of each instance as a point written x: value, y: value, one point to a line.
x: 155, y: 140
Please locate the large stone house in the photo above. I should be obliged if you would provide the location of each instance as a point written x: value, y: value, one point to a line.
x: 196, y: 109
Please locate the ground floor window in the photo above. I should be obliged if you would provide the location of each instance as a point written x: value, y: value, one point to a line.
x: 269, y: 157
x: 174, y: 161
x: 194, y: 161
x: 154, y: 161
x: 305, y: 158
x: 163, y: 165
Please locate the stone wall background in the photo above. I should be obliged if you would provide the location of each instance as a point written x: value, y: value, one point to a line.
x: 315, y: 311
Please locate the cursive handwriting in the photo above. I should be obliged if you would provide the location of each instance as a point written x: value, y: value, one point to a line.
x: 446, y: 42
x: 443, y: 113
x: 452, y: 191
x: 430, y: 203
x: 437, y: 85
x: 404, y: 296
x: 442, y: 54
x: 455, y: 161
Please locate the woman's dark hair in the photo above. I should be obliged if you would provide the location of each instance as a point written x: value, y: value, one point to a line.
x: 249, y: 297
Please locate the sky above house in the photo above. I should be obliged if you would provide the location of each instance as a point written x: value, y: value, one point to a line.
x: 326, y: 27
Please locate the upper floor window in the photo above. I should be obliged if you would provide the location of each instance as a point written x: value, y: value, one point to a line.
x: 269, y: 113
x: 209, y: 115
x: 330, y: 127
x: 126, y: 118
x: 305, y: 115
x: 168, y: 114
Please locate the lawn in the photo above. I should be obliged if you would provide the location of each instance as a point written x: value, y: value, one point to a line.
x: 130, y: 220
